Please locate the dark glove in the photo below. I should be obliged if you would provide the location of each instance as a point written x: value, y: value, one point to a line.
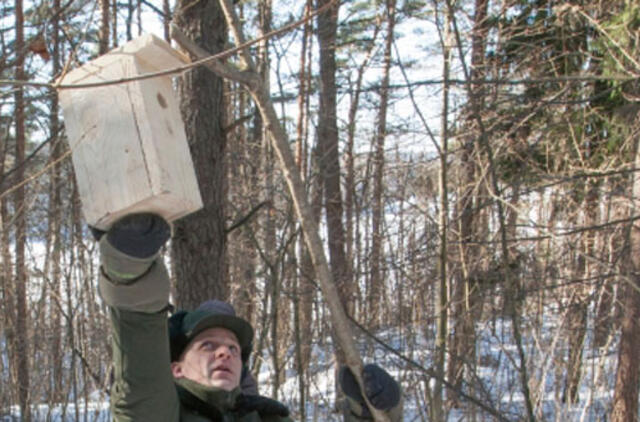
x: 139, y: 235
x: 382, y: 391
x: 96, y: 233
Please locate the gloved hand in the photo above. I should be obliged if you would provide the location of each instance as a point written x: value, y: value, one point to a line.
x: 96, y: 233
x: 382, y: 391
x: 139, y: 235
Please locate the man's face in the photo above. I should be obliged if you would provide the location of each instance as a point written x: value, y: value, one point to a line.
x: 212, y: 359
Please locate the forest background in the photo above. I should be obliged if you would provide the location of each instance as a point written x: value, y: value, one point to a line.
x: 468, y: 162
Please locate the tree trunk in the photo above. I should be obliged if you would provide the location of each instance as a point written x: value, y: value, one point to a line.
x: 22, y: 333
x: 625, y: 397
x: 114, y: 23
x: 329, y: 151
x: 329, y: 164
x: 303, y: 290
x: 166, y: 19
x: 244, y: 193
x: 199, y: 239
x: 580, y: 294
x: 376, y: 290
x: 351, y: 213
x: 465, y: 288
x: 7, y: 293
x: 55, y: 223
x: 442, y: 304
x: 129, y: 20
x: 308, y: 288
x: 103, y: 43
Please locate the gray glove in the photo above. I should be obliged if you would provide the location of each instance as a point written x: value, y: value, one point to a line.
x: 382, y: 391
x: 139, y: 235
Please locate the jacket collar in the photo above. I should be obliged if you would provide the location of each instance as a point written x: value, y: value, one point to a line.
x: 215, y: 403
x: 212, y: 402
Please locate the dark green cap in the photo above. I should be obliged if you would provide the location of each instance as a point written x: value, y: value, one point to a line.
x: 185, y: 325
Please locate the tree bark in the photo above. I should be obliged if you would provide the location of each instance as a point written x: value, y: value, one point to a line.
x: 442, y: 304
x: 625, y: 397
x: 465, y: 288
x: 580, y: 296
x: 55, y: 222
x: 7, y: 292
x: 104, y: 36
x: 22, y: 351
x: 166, y: 19
x: 129, y: 20
x: 199, y: 240
x: 114, y: 23
x: 351, y: 211
x: 303, y: 288
x: 606, y: 324
x: 376, y: 290
x: 328, y: 147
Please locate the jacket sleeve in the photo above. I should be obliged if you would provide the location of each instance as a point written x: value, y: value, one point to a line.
x: 354, y: 411
x: 136, y: 291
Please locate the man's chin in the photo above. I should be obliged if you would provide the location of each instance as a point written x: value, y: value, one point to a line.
x: 223, y: 383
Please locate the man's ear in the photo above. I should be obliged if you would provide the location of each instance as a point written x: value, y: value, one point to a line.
x: 176, y: 370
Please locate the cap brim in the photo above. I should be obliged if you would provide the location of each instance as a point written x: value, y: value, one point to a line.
x: 241, y: 328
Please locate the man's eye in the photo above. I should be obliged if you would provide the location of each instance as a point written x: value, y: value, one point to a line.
x: 206, y: 345
x: 234, y: 349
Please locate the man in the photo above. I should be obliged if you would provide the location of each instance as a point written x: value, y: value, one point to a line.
x: 194, y: 373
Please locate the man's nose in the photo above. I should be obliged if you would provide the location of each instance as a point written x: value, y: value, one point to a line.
x: 222, y: 352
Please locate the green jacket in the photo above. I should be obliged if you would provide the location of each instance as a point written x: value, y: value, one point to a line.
x: 144, y: 389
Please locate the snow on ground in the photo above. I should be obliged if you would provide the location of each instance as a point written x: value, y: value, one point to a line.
x: 497, y: 383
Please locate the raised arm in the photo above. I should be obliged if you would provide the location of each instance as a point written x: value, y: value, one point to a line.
x: 135, y: 285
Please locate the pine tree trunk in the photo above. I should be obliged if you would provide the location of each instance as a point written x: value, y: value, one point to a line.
x: 442, y: 303
x: 606, y: 324
x: 166, y: 19
x: 465, y: 288
x: 303, y: 289
x: 199, y: 239
x: 376, y: 291
x: 7, y: 294
x: 114, y: 23
x: 22, y: 333
x: 329, y: 151
x: 351, y: 213
x: 307, y: 272
x: 55, y: 222
x: 103, y: 44
x: 579, y: 302
x: 129, y: 20
x: 244, y: 183
x: 625, y: 397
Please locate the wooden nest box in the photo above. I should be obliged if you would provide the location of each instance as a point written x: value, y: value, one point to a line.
x: 128, y: 143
